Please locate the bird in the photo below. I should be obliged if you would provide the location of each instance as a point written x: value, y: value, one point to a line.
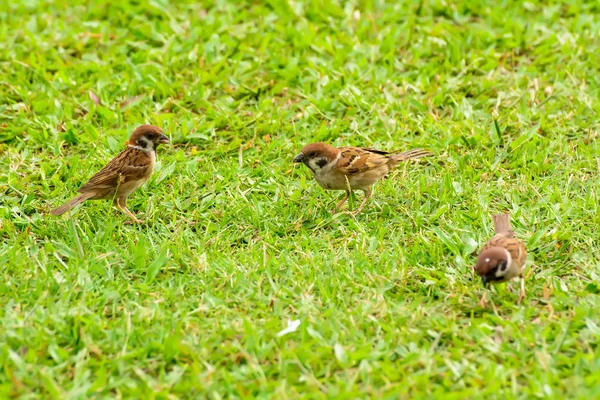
x: 503, y: 257
x: 124, y: 174
x: 352, y: 168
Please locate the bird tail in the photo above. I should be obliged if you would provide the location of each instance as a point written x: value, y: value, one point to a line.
x: 71, y: 203
x: 502, y: 223
x: 411, y: 155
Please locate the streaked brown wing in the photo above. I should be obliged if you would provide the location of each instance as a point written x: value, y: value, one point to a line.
x: 355, y: 160
x: 129, y: 165
x: 375, y: 151
x: 517, y: 251
x: 509, y: 241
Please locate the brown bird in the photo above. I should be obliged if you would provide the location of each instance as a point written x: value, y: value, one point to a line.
x: 124, y: 174
x: 503, y: 257
x: 352, y: 168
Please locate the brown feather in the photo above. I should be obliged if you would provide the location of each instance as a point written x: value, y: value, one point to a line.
x: 355, y: 160
x: 504, y: 238
x: 69, y: 205
x: 376, y: 151
x: 125, y: 173
x: 508, y: 241
x: 141, y: 131
x: 129, y: 165
x: 322, y: 149
x: 411, y: 155
x: 502, y: 223
x: 351, y: 168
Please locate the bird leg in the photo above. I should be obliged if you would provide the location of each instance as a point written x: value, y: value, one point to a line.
x: 482, y: 301
x: 522, y: 292
x: 368, y: 194
x: 121, y: 204
x: 341, y: 203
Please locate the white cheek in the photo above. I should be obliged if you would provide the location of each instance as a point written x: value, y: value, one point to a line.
x: 313, y: 165
x: 509, y: 260
x: 145, y: 143
x: 508, y: 267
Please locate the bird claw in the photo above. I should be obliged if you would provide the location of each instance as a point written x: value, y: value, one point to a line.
x: 482, y: 301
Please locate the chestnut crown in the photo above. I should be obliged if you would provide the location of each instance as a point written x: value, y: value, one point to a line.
x: 316, y: 150
x: 147, y: 137
x: 492, y: 264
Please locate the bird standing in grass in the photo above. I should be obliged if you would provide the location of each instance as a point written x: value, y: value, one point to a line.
x: 352, y: 168
x: 124, y: 174
x: 503, y: 257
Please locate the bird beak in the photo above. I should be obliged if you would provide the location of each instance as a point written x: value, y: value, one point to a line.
x: 485, y: 281
x: 163, y: 139
x: 299, y: 158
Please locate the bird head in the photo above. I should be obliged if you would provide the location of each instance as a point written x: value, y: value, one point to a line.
x: 493, y: 265
x: 317, y: 155
x: 147, y: 138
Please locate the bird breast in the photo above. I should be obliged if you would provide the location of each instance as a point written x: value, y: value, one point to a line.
x: 327, y: 176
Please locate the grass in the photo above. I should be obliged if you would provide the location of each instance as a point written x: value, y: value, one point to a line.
x: 238, y: 241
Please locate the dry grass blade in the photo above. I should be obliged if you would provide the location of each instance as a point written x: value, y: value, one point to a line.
x: 131, y: 101
x: 94, y: 97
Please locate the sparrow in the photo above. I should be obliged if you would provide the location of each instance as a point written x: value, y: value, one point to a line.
x: 124, y: 174
x: 503, y: 257
x: 352, y: 168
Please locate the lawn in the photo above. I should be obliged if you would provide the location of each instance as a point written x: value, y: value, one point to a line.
x: 238, y: 241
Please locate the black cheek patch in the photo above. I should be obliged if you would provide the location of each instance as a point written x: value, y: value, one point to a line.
x: 145, y: 143
x: 322, y: 162
x: 491, y: 275
x: 503, y: 265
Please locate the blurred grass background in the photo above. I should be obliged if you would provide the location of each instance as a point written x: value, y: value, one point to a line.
x: 238, y: 240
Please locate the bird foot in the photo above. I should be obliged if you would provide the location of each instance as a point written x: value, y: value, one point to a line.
x: 482, y: 301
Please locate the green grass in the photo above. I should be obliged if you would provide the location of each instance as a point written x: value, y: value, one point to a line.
x: 238, y: 240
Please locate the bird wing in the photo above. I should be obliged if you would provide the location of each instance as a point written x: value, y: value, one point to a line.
x: 355, y: 160
x: 129, y: 165
x: 510, y: 242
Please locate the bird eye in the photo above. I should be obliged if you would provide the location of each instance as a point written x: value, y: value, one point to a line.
x: 151, y: 135
x: 312, y: 154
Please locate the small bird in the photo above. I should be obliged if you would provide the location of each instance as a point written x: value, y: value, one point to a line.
x: 503, y: 257
x: 124, y: 174
x: 352, y: 168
